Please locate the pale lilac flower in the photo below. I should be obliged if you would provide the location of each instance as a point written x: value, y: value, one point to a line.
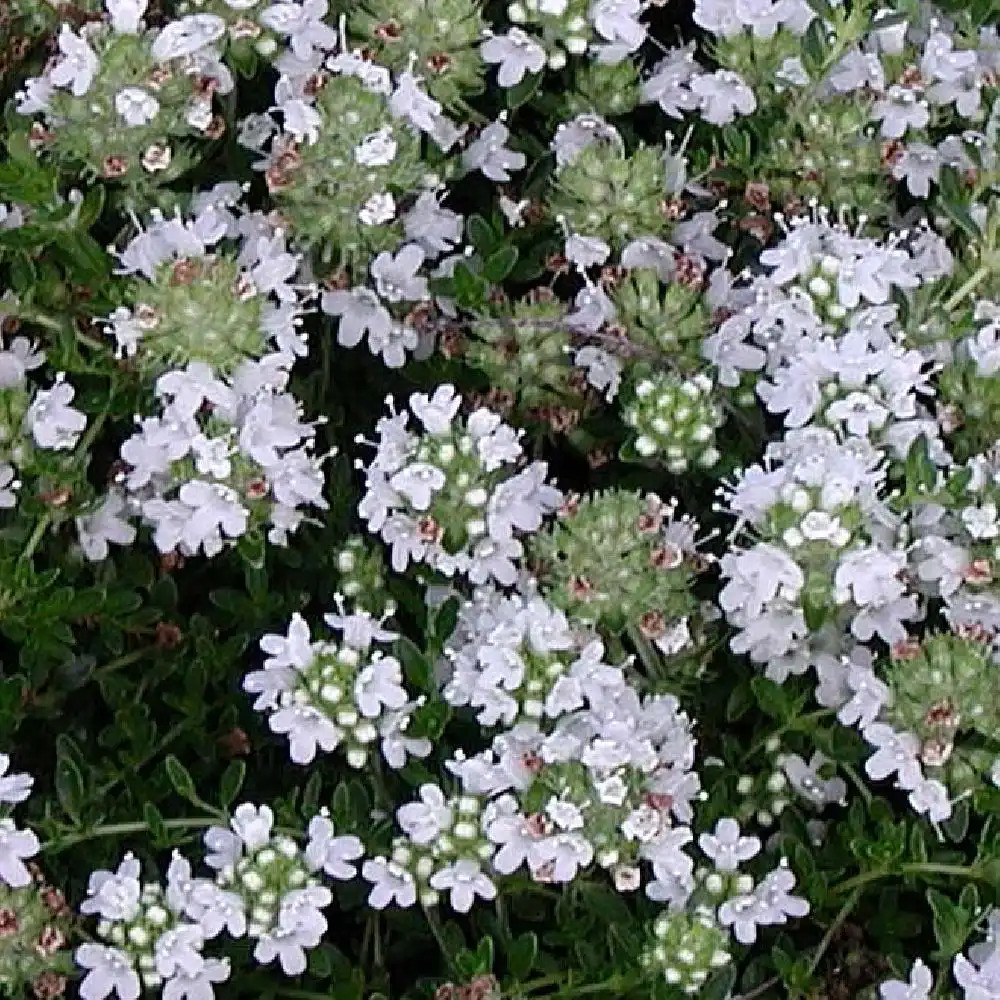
x: 489, y: 154
x: 188, y: 35
x: 918, y: 988
x: 13, y: 787
x: 465, y: 880
x: 516, y: 53
x: 109, y: 970
x: 726, y: 847
x: 78, y: 66
x: 15, y: 846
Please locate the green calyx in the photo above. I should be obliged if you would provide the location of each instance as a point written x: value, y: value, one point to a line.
x: 605, y: 193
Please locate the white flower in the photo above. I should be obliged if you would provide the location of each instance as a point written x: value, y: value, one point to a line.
x: 390, y: 883
x: 78, y: 65
x: 517, y: 53
x: 197, y: 985
x: 136, y: 106
x: 52, y: 421
x: 378, y: 210
x: 114, y: 895
x: 756, y: 577
x: 436, y: 412
x: 919, y: 165
x: 899, y: 110
x: 377, y: 149
x: 396, y: 277
x: 424, y: 821
x: 918, y: 988
x: 585, y: 251
x: 465, y: 880
x: 435, y: 228
x: 722, y: 94
x: 331, y: 853
x: 15, y: 846
x: 489, y: 154
x: 252, y: 825
x: 726, y: 847
x: 897, y: 754
x: 982, y: 983
x: 126, y: 15
x: 930, y: 797
x: 110, y: 970
x: 13, y: 787
x: 188, y: 35
x: 105, y: 525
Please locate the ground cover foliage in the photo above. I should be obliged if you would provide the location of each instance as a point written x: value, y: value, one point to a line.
x: 500, y: 500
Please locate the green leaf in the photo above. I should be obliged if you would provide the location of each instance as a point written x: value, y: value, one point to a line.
x: 521, y: 954
x: 499, y: 264
x: 416, y: 666
x: 952, y: 924
x: 70, y: 785
x: 157, y: 827
x: 771, y: 698
x: 231, y: 782
x: 181, y: 780
x: 481, y: 234
x: 524, y: 91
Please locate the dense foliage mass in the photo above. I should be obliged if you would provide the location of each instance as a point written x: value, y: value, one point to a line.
x: 500, y: 500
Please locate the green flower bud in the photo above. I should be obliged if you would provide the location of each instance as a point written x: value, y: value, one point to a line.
x: 128, y: 124
x: 34, y: 931
x: 686, y: 949
x: 674, y: 420
x: 946, y: 686
x: 617, y: 559
x: 526, y: 360
x: 444, y: 35
x: 669, y: 319
x: 604, y: 89
x: 603, y: 192
x: 322, y: 188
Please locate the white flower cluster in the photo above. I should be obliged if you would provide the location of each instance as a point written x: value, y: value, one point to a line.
x: 147, y: 85
x: 604, y: 783
x: 609, y: 30
x: 224, y: 457
x: 31, y: 417
x: 516, y: 658
x: 196, y: 297
x: 828, y: 576
x: 449, y: 495
x: 16, y: 845
x: 326, y: 694
x: 977, y: 973
x: 822, y: 338
x: 265, y: 887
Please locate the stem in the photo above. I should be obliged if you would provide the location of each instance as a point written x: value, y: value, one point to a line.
x: 434, y: 922
x: 126, y: 660
x: 831, y: 931
x: 970, y: 286
x: 85, y: 442
x: 758, y: 991
x: 912, y: 868
x: 122, y: 829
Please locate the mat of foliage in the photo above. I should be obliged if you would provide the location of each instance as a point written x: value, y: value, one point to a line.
x: 500, y: 500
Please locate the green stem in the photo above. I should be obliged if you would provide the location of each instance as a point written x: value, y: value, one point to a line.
x: 797, y: 723
x: 434, y: 922
x: 85, y: 442
x: 126, y: 660
x: 123, y: 829
x: 831, y: 931
x: 911, y: 868
x: 970, y: 286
